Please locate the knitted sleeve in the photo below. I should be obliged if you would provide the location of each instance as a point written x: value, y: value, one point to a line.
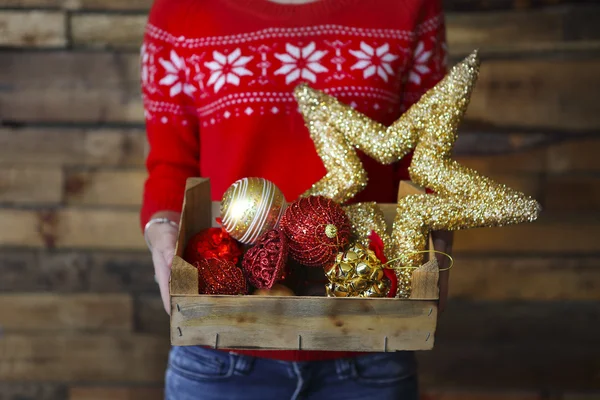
x: 428, y: 64
x: 171, y: 124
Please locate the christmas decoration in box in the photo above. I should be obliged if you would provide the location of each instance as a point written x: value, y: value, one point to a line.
x: 243, y: 273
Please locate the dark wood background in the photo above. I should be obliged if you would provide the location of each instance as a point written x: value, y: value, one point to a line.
x: 80, y: 316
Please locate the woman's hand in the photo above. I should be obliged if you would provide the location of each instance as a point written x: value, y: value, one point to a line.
x: 162, y: 239
x: 443, y: 241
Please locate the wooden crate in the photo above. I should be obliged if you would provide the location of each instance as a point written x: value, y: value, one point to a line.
x: 286, y: 323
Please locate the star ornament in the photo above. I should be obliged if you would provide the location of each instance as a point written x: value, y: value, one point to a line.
x: 463, y: 198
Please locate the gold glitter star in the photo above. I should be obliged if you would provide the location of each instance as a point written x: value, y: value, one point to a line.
x: 463, y: 198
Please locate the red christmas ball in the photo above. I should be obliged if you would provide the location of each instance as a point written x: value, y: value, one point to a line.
x: 265, y: 263
x: 212, y: 243
x: 317, y: 229
x: 220, y: 277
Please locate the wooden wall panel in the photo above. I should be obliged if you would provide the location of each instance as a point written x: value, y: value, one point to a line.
x: 33, y: 29
x: 73, y: 87
x: 70, y: 146
x: 108, y: 30
x: 138, y: 359
x: 115, y: 393
x: 116, y: 5
x: 31, y: 185
x: 105, y: 187
x: 50, y: 312
x: 32, y: 391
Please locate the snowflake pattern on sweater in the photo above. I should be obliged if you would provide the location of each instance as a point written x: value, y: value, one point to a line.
x: 212, y: 79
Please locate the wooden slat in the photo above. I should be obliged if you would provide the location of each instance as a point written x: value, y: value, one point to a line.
x: 73, y: 87
x: 511, y: 366
x: 515, y: 30
x: 72, y: 146
x: 105, y: 187
x: 478, y: 394
x: 572, y: 192
x: 527, y: 278
x: 537, y: 93
x: 318, y: 323
x: 108, y: 30
x: 551, y: 234
x: 24, y: 270
x: 96, y: 358
x: 575, y: 156
x: 31, y: 185
x: 519, y: 322
x: 150, y: 315
x: 141, y: 5
x: 34, y: 29
x: 486, y: 5
x: 102, y: 87
x: 72, y: 228
x: 32, y: 391
x: 64, y: 312
x: 24, y: 228
x: 115, y: 393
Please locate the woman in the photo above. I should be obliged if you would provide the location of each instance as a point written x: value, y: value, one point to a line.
x: 217, y: 79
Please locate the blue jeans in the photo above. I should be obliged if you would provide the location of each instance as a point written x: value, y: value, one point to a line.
x: 197, y: 373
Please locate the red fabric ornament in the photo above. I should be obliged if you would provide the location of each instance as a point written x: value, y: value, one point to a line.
x: 220, y: 277
x: 265, y: 263
x: 317, y: 229
x: 376, y: 245
x: 212, y: 243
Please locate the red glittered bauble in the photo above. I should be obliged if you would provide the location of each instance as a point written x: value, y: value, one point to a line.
x: 220, y: 277
x: 212, y: 243
x: 265, y: 263
x: 317, y: 228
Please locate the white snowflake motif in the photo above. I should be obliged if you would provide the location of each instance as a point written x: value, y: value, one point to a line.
x: 227, y: 69
x: 178, y: 75
x: 420, y: 68
x: 301, y: 63
x: 373, y: 61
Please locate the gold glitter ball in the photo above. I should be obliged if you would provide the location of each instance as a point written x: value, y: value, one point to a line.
x: 250, y: 207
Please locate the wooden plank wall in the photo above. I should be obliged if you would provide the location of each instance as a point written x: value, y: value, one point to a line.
x: 80, y: 317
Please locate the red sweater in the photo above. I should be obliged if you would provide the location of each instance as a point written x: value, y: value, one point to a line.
x: 218, y: 79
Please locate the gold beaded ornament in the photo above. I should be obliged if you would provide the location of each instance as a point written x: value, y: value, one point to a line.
x: 463, y: 198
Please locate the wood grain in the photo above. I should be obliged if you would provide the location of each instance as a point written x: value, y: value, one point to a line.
x: 72, y: 228
x: 519, y: 322
x: 478, y: 394
x: 32, y: 391
x: 553, y: 233
x: 108, y: 30
x: 25, y: 228
x: 33, y: 29
x: 572, y: 192
x: 72, y: 146
x: 511, y: 366
x: 72, y: 86
x: 321, y: 323
x: 536, y: 93
x: 500, y: 278
x: 31, y: 185
x: 71, y: 358
x: 114, y: 188
x: 575, y: 156
x: 52, y: 312
x: 116, y: 393
x: 140, y: 5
